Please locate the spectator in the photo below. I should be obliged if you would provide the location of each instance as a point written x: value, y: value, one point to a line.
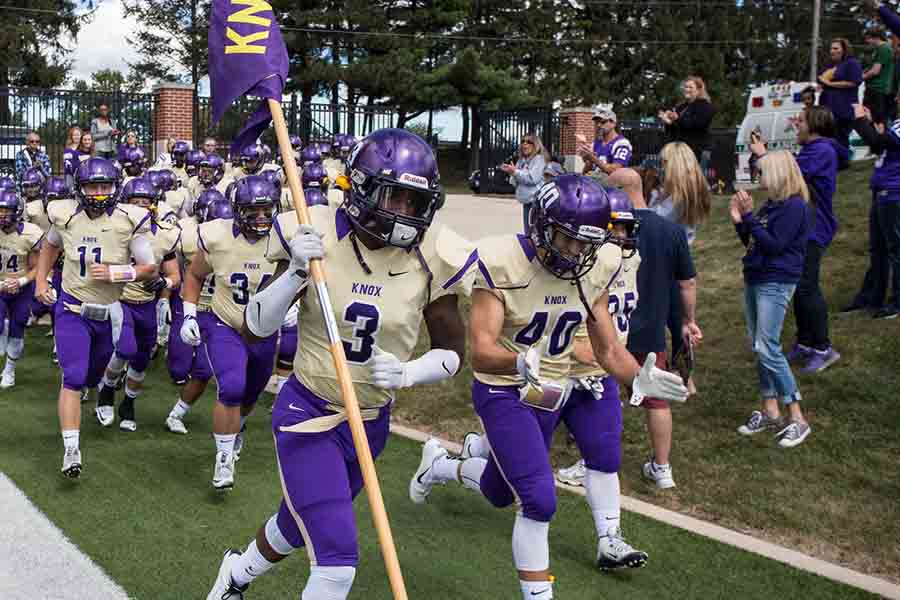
x: 775, y: 239
x: 527, y: 175
x: 689, y: 122
x: 131, y: 141
x: 840, y: 88
x: 32, y: 156
x: 104, y: 132
x: 70, y: 155
x: 164, y: 160
x: 611, y: 150
x: 884, y: 222
x: 879, y: 77
x: 665, y: 260
x: 85, y: 148
x: 819, y: 159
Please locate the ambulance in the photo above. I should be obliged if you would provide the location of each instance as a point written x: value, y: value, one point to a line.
x: 770, y: 109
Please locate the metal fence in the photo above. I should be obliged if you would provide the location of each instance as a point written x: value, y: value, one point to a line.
x: 501, y: 132
x: 51, y: 112
x: 312, y: 122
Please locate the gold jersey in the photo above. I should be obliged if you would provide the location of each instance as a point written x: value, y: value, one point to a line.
x: 35, y: 213
x: 195, y: 188
x: 164, y: 238
x: 15, y: 247
x: 382, y: 308
x: 177, y: 200
x: 540, y: 309
x: 188, y: 247
x: 239, y: 266
x: 104, y: 240
x: 623, y: 298
x: 181, y: 174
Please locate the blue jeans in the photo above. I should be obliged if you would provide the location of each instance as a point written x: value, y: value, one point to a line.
x: 765, y: 305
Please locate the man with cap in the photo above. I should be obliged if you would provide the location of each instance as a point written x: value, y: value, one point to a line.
x: 611, y: 150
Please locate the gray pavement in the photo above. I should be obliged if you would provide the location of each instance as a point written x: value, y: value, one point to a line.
x: 475, y: 217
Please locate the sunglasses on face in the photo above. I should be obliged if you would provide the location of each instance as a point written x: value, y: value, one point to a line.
x: 527, y: 143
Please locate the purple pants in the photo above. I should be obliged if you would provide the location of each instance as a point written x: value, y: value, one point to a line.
x: 596, y: 425
x: 287, y: 347
x: 242, y: 370
x: 520, y: 437
x: 38, y: 308
x: 138, y: 334
x: 184, y: 361
x: 320, y: 476
x: 84, y: 347
x: 17, y: 308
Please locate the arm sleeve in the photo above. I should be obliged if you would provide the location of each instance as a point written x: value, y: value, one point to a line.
x: 781, y: 231
x: 890, y: 19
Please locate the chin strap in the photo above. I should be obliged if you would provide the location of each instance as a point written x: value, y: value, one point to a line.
x: 358, y: 252
x: 590, y: 311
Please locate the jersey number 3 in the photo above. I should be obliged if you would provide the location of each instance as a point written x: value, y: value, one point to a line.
x: 365, y: 319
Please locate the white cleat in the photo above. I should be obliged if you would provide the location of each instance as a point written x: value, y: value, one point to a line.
x: 468, y: 440
x: 223, y: 473
x: 573, y: 475
x: 238, y: 446
x: 105, y: 415
x: 421, y: 483
x: 128, y: 425
x: 176, y: 425
x: 224, y: 588
x: 613, y: 552
x: 72, y: 463
x: 8, y: 380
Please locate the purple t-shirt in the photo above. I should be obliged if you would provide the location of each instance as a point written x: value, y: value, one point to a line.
x: 841, y: 100
x: 617, y: 151
x: 70, y: 161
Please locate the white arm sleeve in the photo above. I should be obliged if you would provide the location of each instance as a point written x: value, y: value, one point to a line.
x: 433, y: 366
x: 266, y: 311
x: 142, y: 250
x: 53, y: 237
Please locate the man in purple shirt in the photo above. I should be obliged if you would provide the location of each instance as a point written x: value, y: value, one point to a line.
x: 840, y: 88
x: 611, y: 150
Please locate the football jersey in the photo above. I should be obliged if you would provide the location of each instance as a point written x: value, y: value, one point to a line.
x: 178, y: 200
x: 617, y: 151
x: 15, y: 248
x: 164, y: 238
x: 239, y: 266
x: 539, y: 308
x: 181, y: 174
x: 35, y: 213
x: 623, y: 298
x: 383, y: 308
x: 86, y: 241
x: 195, y: 188
x: 188, y: 248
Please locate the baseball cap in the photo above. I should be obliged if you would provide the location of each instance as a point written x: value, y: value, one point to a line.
x: 604, y: 113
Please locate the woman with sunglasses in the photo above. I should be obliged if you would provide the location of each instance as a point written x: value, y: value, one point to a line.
x: 527, y: 175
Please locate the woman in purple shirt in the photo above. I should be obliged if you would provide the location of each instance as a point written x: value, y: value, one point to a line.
x: 840, y: 88
x: 70, y: 155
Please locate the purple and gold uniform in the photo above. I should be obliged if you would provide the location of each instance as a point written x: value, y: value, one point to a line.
x: 15, y: 248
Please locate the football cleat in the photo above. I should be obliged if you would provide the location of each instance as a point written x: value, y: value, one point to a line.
x: 468, y: 441
x: 105, y: 415
x: 421, y: 483
x: 661, y: 475
x: 223, y: 473
x: 72, y: 463
x: 176, y: 425
x: 128, y: 425
x: 573, y: 475
x: 238, y: 446
x: 224, y: 588
x: 613, y: 552
x: 8, y: 379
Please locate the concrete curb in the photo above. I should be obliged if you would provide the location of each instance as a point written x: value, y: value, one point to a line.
x: 742, y: 541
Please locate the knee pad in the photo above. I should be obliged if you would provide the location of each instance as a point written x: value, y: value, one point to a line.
x: 329, y: 583
x: 136, y: 375
x: 276, y: 539
x: 605, y: 453
x: 15, y: 347
x: 540, y: 502
x: 531, y: 546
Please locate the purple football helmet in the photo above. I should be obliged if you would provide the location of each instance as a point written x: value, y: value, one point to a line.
x: 391, y: 166
x: 220, y: 209
x: 159, y: 180
x: 273, y: 176
x: 255, y: 205
x: 7, y: 184
x: 11, y: 209
x: 314, y: 175
x: 140, y: 191
x: 133, y: 161
x: 179, y: 153
x: 315, y: 197
x: 211, y: 170
x: 253, y: 157
x: 348, y: 144
x: 32, y: 184
x: 296, y: 143
x: 97, y: 185
x: 192, y: 162
x: 203, y: 202
x: 310, y: 155
x: 622, y: 213
x: 169, y: 181
x: 324, y: 149
x: 577, y: 207
x: 56, y: 188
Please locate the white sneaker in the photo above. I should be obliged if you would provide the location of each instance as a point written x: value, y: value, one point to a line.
x: 421, y: 482
x: 224, y: 588
x: 238, y: 446
x: 223, y: 473
x: 72, y: 463
x: 613, y: 552
x: 661, y: 475
x: 105, y: 415
x: 128, y: 425
x: 573, y: 475
x: 468, y: 440
x: 9, y: 378
x: 176, y: 425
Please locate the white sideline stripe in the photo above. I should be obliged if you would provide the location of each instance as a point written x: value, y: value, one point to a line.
x: 742, y: 541
x: 38, y: 561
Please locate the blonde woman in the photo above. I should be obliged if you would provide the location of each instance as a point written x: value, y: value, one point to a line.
x: 689, y: 122
x: 684, y: 197
x: 527, y: 175
x: 775, y: 237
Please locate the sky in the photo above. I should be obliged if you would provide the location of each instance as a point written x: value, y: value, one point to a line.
x: 102, y: 44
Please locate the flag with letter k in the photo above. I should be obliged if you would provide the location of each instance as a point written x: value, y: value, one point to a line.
x: 247, y: 56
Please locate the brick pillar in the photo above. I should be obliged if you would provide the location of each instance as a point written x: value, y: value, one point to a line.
x: 574, y: 121
x: 174, y: 114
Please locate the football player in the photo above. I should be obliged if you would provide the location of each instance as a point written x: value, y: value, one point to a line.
x: 105, y: 247
x: 309, y: 156
x: 233, y: 250
x: 19, y: 247
x: 535, y: 291
x: 179, y: 161
x: 134, y: 163
x: 387, y: 274
x: 139, y: 305
x: 210, y: 175
x: 250, y: 162
x: 175, y: 195
x: 192, y: 163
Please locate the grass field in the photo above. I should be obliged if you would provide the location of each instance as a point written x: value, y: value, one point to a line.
x: 144, y: 511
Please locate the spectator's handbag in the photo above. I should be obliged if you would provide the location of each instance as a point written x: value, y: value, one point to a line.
x: 683, y: 360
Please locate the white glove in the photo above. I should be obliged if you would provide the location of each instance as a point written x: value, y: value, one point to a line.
x: 388, y: 372
x: 528, y: 364
x: 657, y: 383
x: 190, y: 329
x: 305, y: 245
x: 290, y: 319
x: 163, y: 320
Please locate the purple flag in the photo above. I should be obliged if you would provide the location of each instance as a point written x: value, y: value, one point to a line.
x: 247, y: 56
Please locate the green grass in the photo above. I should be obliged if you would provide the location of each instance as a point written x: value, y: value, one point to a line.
x: 144, y: 511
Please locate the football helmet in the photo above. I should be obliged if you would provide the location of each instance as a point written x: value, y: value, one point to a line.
x: 211, y: 170
x: 11, y: 209
x: 255, y: 205
x: 622, y: 213
x: 310, y: 155
x: 219, y: 209
x: 140, y: 191
x: 56, y: 188
x: 133, y: 161
x: 314, y: 175
x: 97, y: 185
x: 32, y: 184
x: 252, y: 158
x: 179, y: 153
x: 192, y: 162
x: 204, y: 201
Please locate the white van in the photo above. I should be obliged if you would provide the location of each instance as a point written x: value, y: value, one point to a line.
x: 769, y: 109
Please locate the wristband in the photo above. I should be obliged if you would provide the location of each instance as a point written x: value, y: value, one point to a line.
x: 23, y: 281
x: 190, y: 309
x: 122, y: 273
